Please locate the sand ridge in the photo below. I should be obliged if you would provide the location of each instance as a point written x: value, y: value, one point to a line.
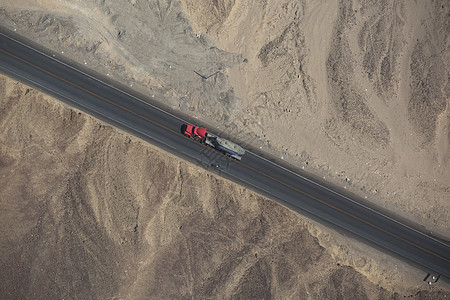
x: 361, y: 88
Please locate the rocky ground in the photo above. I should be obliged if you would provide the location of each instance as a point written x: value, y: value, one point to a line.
x: 360, y: 86
x: 89, y: 212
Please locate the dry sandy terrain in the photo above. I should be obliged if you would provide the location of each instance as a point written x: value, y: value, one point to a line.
x: 88, y: 211
x: 353, y: 91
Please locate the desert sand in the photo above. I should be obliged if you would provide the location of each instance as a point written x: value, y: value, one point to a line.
x: 355, y: 92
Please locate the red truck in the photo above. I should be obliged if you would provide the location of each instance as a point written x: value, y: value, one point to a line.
x: 200, y: 134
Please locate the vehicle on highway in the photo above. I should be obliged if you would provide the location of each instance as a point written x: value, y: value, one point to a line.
x: 197, y: 133
x: 201, y: 135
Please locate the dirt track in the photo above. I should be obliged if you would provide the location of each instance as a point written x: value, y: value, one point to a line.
x: 360, y: 87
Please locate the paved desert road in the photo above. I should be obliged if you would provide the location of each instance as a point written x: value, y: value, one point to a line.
x: 156, y: 126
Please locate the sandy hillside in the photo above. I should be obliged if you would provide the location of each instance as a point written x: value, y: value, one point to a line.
x: 352, y: 91
x: 361, y: 88
x: 85, y: 217
x: 358, y: 90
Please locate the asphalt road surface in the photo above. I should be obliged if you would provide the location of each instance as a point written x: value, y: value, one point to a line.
x: 157, y: 126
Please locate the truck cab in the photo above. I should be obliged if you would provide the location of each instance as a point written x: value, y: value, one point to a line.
x: 197, y: 133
